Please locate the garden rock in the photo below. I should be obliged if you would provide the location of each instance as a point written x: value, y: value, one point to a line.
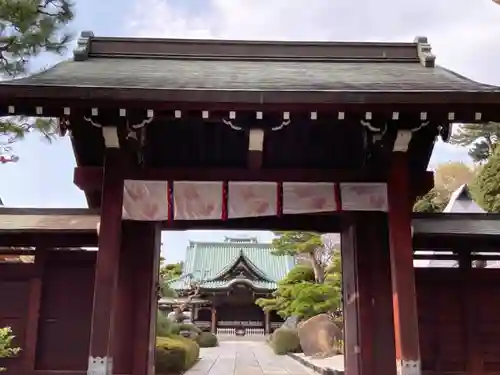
x: 291, y: 322
x: 318, y: 336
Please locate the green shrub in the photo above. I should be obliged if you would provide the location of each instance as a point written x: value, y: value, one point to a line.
x: 7, y: 350
x: 177, y: 328
x: 164, y: 326
x: 207, y: 340
x: 169, y: 360
x: 189, y: 327
x: 285, y: 340
x: 175, y: 354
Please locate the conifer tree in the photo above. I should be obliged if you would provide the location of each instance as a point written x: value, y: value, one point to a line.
x: 481, y: 139
x: 29, y: 28
x: 487, y: 186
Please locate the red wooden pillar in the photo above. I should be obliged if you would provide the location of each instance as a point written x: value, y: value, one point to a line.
x: 147, y: 260
x: 356, y: 347
x: 402, y: 271
x: 107, y: 267
x: 366, y: 275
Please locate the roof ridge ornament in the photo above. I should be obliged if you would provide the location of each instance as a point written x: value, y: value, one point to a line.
x: 82, y: 49
x: 424, y: 51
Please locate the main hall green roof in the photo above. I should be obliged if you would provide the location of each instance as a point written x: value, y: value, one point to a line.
x: 206, y: 261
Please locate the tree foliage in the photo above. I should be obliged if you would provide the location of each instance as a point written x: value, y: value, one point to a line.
x: 447, y: 178
x: 314, y: 285
x: 431, y: 202
x: 310, y: 247
x: 487, y: 186
x: 450, y: 176
x: 168, y: 272
x: 27, y: 29
x: 298, y: 294
x: 30, y: 27
x: 480, y: 139
x: 171, y: 270
x: 7, y: 347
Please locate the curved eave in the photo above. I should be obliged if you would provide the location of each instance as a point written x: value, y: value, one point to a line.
x: 19, y: 93
x: 269, y: 286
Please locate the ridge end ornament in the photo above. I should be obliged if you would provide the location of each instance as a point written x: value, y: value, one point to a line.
x: 82, y: 50
x: 424, y: 51
x: 408, y: 367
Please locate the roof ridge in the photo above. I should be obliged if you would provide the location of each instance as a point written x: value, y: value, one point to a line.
x: 419, y: 51
x: 235, y: 261
x: 458, y: 196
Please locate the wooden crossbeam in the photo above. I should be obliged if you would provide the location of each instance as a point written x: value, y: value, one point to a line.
x: 89, y: 179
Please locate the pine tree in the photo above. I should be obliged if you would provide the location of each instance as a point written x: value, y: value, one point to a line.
x: 29, y: 28
x: 314, y: 285
x: 481, y: 139
x: 487, y: 186
x: 433, y: 201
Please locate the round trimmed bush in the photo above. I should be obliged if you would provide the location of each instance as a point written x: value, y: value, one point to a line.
x: 175, y: 354
x: 285, y: 340
x: 169, y: 360
x: 207, y: 340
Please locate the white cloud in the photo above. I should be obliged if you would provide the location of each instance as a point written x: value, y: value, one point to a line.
x: 465, y: 34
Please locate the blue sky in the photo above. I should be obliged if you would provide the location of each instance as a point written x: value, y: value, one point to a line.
x: 465, y: 36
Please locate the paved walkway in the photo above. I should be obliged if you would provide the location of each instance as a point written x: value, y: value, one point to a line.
x: 245, y: 358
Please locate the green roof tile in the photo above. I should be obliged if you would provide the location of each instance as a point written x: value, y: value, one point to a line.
x: 207, y: 260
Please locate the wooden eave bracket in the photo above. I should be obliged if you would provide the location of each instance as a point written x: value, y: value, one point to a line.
x: 424, y: 51
x: 82, y: 49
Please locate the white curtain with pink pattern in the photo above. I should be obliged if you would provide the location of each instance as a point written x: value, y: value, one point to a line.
x: 252, y: 199
x: 364, y: 196
x: 308, y: 197
x: 203, y: 200
x: 197, y: 200
x: 145, y: 200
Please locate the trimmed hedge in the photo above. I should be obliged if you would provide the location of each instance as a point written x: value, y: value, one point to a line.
x: 285, y: 340
x: 175, y: 354
x: 207, y: 340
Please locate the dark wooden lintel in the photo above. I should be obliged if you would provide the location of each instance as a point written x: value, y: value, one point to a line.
x: 90, y: 178
x: 60, y: 240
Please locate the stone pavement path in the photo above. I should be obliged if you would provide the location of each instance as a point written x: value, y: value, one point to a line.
x: 245, y: 358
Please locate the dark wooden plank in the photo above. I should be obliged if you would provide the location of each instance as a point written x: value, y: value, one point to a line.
x: 32, y: 321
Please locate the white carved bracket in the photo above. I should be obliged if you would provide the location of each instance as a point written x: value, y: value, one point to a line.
x: 100, y: 366
x: 110, y: 134
x: 256, y: 140
x: 408, y: 367
x: 402, y: 141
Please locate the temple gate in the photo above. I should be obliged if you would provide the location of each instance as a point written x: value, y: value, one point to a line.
x: 257, y: 135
